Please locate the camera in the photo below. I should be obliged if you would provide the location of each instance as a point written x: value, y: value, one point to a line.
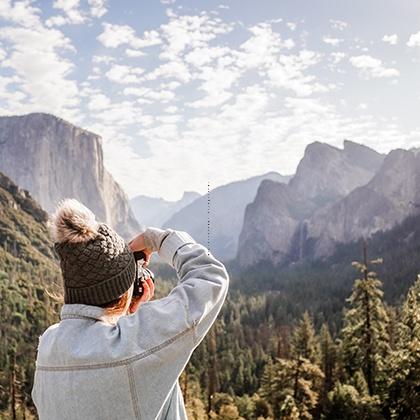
x: 142, y: 274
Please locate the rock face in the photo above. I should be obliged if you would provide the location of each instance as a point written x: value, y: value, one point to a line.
x: 227, y: 205
x: 54, y: 159
x: 151, y: 211
x: 327, y: 173
x: 275, y: 224
x: 391, y: 196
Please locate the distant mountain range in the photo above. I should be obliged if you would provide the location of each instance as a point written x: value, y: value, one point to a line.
x: 151, y: 211
x: 54, y: 159
x: 223, y: 209
x: 336, y: 196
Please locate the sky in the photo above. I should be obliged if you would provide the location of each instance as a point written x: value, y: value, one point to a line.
x: 191, y: 95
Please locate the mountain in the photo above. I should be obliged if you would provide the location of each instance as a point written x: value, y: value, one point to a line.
x: 327, y: 173
x: 275, y: 222
x: 151, y: 211
x: 54, y: 159
x: 392, y: 195
x: 226, y: 205
x: 24, y: 237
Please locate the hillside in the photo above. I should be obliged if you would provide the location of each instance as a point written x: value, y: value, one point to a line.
x: 27, y: 264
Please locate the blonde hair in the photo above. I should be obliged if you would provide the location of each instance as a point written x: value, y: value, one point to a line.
x: 115, y: 308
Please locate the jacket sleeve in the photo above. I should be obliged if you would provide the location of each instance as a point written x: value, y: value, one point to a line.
x: 202, y: 280
x: 161, y: 335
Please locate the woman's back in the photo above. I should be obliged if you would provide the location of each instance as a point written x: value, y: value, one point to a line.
x: 88, y: 368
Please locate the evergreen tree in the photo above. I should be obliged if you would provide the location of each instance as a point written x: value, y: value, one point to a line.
x: 404, y: 392
x: 346, y: 403
x: 267, y: 384
x: 299, y: 379
x: 304, y: 342
x: 328, y: 361
x: 365, y: 339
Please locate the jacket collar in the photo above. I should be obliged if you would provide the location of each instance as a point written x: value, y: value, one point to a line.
x: 80, y: 310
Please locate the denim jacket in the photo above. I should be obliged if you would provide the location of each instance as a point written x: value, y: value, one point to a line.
x: 88, y: 369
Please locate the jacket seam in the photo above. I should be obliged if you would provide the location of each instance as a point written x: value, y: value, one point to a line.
x: 120, y: 362
x: 181, y: 246
x: 74, y: 316
x: 133, y: 391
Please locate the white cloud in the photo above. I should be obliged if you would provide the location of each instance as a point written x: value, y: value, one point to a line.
x: 262, y: 47
x: 44, y: 74
x: 98, y: 102
x: 134, y: 53
x: 332, y: 41
x: 338, y: 56
x: 171, y: 109
x: 175, y: 69
x: 338, y: 24
x: 20, y: 12
x: 200, y: 56
x: 391, y: 39
x: 119, y: 73
x: 115, y: 35
x: 371, y: 67
x: 162, y: 96
x: 72, y: 14
x: 414, y: 40
x: 291, y: 25
x: 288, y: 72
x: 98, y: 8
x: 182, y: 33
x: 106, y: 59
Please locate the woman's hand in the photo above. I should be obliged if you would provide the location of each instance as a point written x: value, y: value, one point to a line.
x: 138, y: 244
x: 148, y: 292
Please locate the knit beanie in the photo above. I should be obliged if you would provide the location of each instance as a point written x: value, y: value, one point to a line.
x: 97, y: 265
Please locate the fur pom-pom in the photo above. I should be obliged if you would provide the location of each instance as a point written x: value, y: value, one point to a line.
x: 72, y: 222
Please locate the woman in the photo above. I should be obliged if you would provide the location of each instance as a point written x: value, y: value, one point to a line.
x: 111, y: 356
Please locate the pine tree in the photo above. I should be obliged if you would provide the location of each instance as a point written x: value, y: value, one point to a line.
x: 267, y: 383
x: 328, y: 360
x: 365, y: 340
x: 213, y: 384
x: 304, y: 342
x: 403, y: 400
x: 299, y: 379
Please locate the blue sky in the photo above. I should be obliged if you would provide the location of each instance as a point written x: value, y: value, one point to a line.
x: 184, y: 92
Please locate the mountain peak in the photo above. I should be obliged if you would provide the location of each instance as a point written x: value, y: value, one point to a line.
x: 57, y: 160
x: 188, y: 195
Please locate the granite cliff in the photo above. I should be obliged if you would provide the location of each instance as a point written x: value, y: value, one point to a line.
x: 392, y: 195
x: 54, y: 159
x: 276, y: 222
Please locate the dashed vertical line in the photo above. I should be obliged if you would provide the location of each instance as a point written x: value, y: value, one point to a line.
x: 208, y: 217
